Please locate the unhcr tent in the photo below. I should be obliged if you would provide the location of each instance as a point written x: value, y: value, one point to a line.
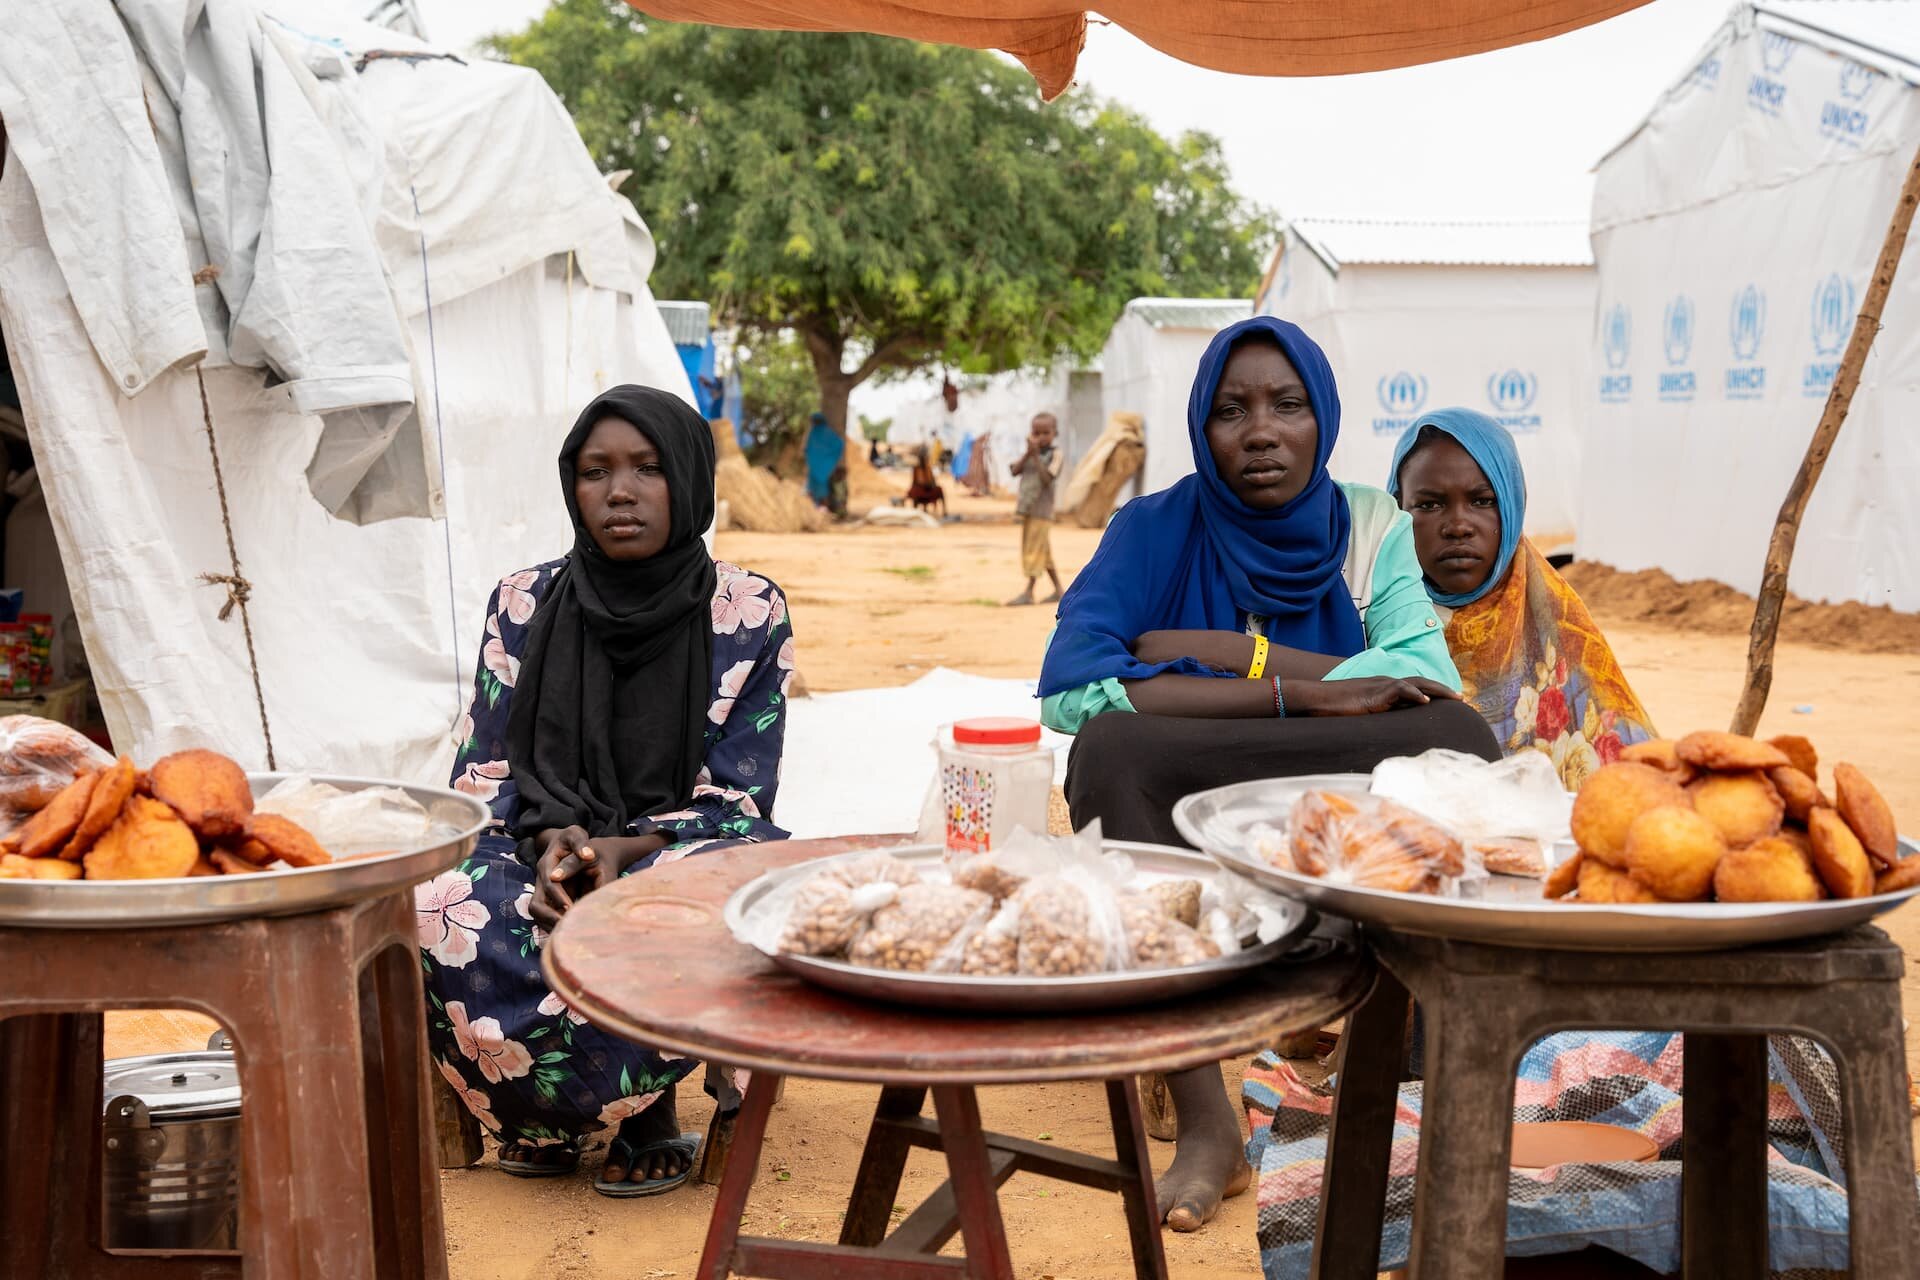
x: 1493, y: 315
x: 518, y: 280
x: 1715, y: 347
x: 1147, y: 368
x: 1001, y: 409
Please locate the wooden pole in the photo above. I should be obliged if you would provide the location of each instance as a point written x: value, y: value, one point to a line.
x: 1786, y: 527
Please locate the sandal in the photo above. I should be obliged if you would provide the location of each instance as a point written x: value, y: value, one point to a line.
x: 687, y: 1144
x: 566, y: 1163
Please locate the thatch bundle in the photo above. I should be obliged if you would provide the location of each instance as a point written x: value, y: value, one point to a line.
x: 1114, y: 459
x: 757, y: 500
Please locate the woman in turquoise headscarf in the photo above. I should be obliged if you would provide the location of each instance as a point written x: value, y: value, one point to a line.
x: 825, y: 450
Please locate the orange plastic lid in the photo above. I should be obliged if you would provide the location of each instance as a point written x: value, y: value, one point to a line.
x: 996, y: 731
x: 1543, y: 1145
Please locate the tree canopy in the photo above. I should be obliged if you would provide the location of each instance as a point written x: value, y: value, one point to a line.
x: 890, y: 204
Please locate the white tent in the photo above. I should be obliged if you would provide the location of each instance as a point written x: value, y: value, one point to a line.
x: 521, y: 281
x: 1735, y: 231
x: 1001, y: 410
x: 1147, y: 368
x: 1492, y: 315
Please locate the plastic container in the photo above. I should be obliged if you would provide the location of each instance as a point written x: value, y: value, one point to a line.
x: 994, y: 776
x: 40, y: 646
x: 18, y: 644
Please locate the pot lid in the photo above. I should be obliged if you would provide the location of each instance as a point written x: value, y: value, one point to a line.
x: 177, y: 1086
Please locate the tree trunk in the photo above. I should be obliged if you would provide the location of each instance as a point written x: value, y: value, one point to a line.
x: 1786, y: 529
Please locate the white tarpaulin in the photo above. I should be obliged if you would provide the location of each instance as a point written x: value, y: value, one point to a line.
x: 1422, y: 315
x: 1147, y: 368
x: 1735, y: 231
x: 367, y: 635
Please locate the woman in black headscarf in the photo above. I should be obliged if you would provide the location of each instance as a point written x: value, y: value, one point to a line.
x: 628, y: 709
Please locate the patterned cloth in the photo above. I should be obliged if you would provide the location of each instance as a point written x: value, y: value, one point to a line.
x: 524, y: 1063
x: 1533, y: 662
x: 1036, y: 546
x: 1630, y: 1079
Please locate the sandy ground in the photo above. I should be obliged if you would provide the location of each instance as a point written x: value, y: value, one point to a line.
x: 882, y: 607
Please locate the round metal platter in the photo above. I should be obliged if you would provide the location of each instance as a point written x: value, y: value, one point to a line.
x: 87, y: 904
x: 974, y: 994
x: 1510, y: 910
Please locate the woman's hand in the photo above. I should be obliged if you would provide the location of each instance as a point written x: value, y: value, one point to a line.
x: 1360, y: 697
x: 568, y: 854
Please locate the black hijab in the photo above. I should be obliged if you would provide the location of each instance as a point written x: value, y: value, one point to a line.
x: 609, y: 714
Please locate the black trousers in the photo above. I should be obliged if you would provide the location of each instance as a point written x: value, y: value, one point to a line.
x: 1130, y: 770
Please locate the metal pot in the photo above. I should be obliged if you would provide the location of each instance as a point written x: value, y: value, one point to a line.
x: 172, y: 1152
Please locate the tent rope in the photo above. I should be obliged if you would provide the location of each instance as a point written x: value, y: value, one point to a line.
x: 239, y: 590
x: 440, y: 451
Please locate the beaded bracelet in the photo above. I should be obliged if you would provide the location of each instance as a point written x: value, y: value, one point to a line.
x: 1279, y: 704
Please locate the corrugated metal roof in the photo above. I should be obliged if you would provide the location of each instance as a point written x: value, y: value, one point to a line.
x: 688, y: 322
x: 1507, y: 242
x: 1190, y: 313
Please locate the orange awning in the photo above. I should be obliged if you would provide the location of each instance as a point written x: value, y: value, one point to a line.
x: 1252, y: 37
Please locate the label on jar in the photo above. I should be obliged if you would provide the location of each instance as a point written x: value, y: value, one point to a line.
x: 968, y: 793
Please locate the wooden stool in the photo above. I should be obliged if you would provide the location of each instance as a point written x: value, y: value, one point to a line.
x: 338, y: 1171
x: 1484, y: 1006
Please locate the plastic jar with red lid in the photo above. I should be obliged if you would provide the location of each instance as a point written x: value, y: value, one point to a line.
x: 995, y: 776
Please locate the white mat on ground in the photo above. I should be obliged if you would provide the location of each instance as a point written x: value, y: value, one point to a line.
x: 859, y: 762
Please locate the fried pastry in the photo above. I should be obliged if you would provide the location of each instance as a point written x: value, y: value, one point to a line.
x: 1600, y: 884
x: 1512, y: 858
x: 103, y: 806
x: 207, y: 790
x: 1838, y: 856
x: 1743, y: 805
x: 147, y: 842
x: 287, y: 840
x: 1800, y: 793
x: 1612, y: 798
x: 1729, y: 752
x: 1799, y: 752
x: 1904, y: 875
x: 1771, y: 870
x: 13, y: 866
x: 47, y: 832
x: 1663, y: 754
x: 230, y: 864
x: 1673, y: 851
x: 1866, y: 811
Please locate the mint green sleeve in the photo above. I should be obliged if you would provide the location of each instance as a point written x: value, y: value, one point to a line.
x: 1066, y: 711
x: 1404, y: 635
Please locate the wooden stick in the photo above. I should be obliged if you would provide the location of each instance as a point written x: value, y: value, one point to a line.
x: 1786, y: 528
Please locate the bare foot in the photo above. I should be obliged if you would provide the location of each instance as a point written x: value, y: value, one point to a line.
x: 1024, y: 598
x: 1055, y: 596
x: 1209, y: 1162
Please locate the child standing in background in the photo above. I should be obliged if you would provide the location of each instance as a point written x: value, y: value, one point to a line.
x: 1038, y: 469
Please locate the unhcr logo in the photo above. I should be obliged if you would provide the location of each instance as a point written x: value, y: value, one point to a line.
x: 1707, y: 74
x: 1402, y: 395
x: 1766, y: 92
x: 1511, y: 392
x: 1676, y: 342
x: 1846, y: 120
x: 1616, y: 344
x: 1833, y: 307
x: 1746, y: 325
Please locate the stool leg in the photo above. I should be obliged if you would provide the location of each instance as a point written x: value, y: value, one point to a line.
x: 408, y: 1229
x: 1130, y: 1145
x: 1353, y: 1189
x: 1884, y: 1221
x: 723, y: 1228
x: 1157, y: 1105
x: 49, y: 1123
x: 876, y: 1187
x: 1466, y: 1144
x: 1723, y: 1170
x: 970, y: 1173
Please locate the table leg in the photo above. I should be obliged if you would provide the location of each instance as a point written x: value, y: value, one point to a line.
x: 1884, y: 1221
x: 1723, y: 1167
x: 975, y: 1191
x: 1353, y: 1188
x: 723, y: 1228
x: 1130, y: 1146
x: 876, y: 1187
x: 1466, y: 1143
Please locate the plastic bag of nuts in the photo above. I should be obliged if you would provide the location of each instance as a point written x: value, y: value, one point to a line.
x: 830, y: 907
x: 990, y: 876
x: 993, y: 949
x: 1068, y: 926
x: 918, y: 930
x: 1158, y: 941
x: 1179, y: 899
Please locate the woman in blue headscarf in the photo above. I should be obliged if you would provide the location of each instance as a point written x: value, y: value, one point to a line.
x: 1531, y: 659
x: 825, y: 449
x: 1254, y: 620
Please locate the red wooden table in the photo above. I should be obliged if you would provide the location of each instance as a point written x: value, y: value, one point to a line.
x: 649, y: 958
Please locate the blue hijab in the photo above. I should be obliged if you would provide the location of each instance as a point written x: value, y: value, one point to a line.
x: 825, y: 448
x: 1194, y: 557
x: 1488, y: 443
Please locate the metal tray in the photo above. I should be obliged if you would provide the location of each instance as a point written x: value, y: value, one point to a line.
x: 1511, y: 910
x: 975, y: 994
x: 133, y: 904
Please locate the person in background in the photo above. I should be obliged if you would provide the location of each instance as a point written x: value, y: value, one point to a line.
x: 1532, y: 660
x: 1039, y: 470
x: 629, y: 709
x: 1255, y: 620
x: 925, y: 492
x: 826, y: 453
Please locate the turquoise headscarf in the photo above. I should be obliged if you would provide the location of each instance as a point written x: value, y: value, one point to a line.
x: 1488, y: 443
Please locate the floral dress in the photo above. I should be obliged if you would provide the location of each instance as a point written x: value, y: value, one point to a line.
x: 532, y: 1070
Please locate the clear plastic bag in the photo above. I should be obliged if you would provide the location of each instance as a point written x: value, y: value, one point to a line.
x: 1155, y: 940
x: 923, y: 929
x: 350, y: 824
x: 823, y: 913
x: 1518, y: 797
x: 38, y: 760
x: 1373, y: 844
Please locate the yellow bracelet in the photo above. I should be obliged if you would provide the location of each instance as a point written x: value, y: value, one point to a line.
x: 1259, y: 667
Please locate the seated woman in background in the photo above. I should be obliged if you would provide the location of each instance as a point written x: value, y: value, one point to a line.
x: 628, y: 710
x: 1531, y: 659
x: 1254, y: 620
x: 924, y: 492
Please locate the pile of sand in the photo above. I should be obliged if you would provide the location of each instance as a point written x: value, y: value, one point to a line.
x: 1652, y: 596
x: 758, y: 500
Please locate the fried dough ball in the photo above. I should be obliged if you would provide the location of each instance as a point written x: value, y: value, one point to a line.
x: 1905, y: 875
x: 287, y: 840
x: 1866, y: 811
x: 1801, y: 794
x: 47, y: 832
x: 1799, y: 753
x: 224, y: 863
x: 1661, y: 753
x: 1838, y: 856
x: 1796, y: 835
x: 1770, y: 870
x: 103, y: 806
x: 1601, y: 884
x: 1612, y: 798
x: 204, y: 867
x: 13, y: 866
x: 207, y: 790
x: 1743, y: 805
x: 1564, y: 878
x: 147, y: 842
x: 1673, y: 851
x: 1729, y: 752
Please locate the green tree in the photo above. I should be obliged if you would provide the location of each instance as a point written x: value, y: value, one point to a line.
x: 888, y: 203
x: 777, y: 390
